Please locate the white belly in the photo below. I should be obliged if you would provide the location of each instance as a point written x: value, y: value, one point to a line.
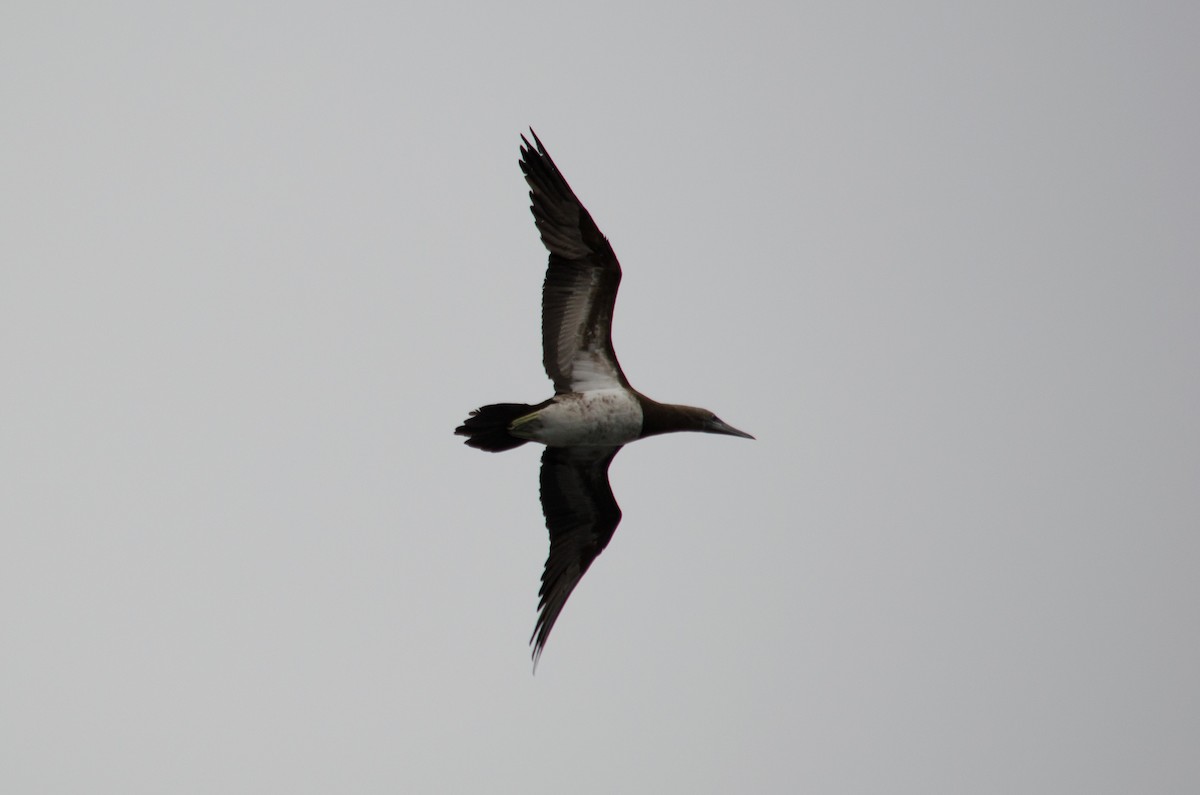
x: 584, y: 419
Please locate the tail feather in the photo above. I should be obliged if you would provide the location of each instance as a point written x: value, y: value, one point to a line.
x: 487, y: 427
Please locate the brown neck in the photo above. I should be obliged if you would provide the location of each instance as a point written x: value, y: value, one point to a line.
x: 667, y: 417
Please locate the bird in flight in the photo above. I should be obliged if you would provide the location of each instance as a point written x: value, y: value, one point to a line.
x: 594, y: 411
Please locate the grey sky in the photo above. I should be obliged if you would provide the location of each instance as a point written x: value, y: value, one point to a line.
x: 257, y: 261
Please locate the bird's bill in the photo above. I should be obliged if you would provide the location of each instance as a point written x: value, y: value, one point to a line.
x: 717, y: 426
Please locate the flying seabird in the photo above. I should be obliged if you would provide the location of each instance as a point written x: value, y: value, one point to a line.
x: 594, y: 411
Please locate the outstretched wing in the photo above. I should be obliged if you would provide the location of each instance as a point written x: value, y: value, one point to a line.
x: 581, y: 515
x: 581, y: 282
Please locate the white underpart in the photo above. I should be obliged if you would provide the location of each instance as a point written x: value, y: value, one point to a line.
x: 592, y: 371
x: 599, y: 417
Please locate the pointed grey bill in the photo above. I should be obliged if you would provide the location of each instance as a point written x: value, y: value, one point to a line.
x: 717, y: 426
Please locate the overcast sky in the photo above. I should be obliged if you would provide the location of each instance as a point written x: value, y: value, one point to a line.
x: 257, y: 260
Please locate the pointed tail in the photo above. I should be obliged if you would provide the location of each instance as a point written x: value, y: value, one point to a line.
x: 487, y: 427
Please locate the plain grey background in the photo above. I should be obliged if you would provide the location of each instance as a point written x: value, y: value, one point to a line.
x: 259, y: 259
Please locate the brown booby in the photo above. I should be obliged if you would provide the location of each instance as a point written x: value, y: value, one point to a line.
x: 594, y: 411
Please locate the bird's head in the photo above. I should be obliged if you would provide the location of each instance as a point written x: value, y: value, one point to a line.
x: 669, y: 417
x: 711, y: 423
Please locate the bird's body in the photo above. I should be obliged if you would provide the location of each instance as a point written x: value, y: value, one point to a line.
x: 594, y: 410
x: 600, y: 417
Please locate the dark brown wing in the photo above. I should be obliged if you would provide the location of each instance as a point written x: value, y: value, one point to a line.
x: 581, y: 515
x: 581, y: 282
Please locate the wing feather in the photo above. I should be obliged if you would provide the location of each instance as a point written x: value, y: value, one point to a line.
x: 581, y: 284
x: 581, y: 515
